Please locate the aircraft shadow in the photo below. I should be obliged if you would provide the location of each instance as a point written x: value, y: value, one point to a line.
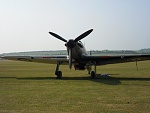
x: 105, y: 80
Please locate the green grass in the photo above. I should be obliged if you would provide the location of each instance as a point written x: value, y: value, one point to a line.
x: 32, y: 87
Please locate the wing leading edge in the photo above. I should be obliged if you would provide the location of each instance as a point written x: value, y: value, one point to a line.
x: 43, y: 59
x: 103, y: 60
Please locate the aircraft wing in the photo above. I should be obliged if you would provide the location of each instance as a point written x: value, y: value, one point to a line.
x: 103, y: 60
x: 99, y: 60
x: 41, y: 59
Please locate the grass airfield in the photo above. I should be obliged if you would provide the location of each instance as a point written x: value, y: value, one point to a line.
x: 32, y: 87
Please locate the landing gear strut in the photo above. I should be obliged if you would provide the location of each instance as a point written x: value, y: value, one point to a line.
x: 93, y: 73
x: 57, y: 72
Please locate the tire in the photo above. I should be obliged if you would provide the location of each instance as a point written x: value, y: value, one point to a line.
x: 92, y: 75
x: 59, y: 75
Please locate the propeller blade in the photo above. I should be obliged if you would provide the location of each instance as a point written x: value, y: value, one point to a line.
x: 70, y: 58
x: 83, y: 35
x: 57, y: 36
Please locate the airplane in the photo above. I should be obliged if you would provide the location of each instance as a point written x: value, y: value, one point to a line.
x: 78, y: 56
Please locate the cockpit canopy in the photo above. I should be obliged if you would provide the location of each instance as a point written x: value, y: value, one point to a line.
x: 80, y: 44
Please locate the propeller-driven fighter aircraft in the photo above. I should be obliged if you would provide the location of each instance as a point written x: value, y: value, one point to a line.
x: 78, y: 56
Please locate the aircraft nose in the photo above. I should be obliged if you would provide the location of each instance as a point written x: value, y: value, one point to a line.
x: 71, y: 44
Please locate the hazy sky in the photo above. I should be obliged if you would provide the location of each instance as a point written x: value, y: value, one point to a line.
x: 117, y: 24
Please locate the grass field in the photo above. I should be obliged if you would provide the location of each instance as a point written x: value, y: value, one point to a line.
x: 32, y: 87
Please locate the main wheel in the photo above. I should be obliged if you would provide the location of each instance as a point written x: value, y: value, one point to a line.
x: 92, y: 75
x: 59, y: 75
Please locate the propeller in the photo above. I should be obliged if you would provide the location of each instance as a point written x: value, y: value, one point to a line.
x: 71, y: 43
x: 83, y: 35
x: 57, y: 36
x: 70, y: 58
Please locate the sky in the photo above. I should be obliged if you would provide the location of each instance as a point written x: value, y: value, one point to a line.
x: 117, y: 24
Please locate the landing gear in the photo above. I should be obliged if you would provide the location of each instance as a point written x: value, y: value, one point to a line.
x: 93, y: 73
x: 59, y: 75
x: 57, y: 72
